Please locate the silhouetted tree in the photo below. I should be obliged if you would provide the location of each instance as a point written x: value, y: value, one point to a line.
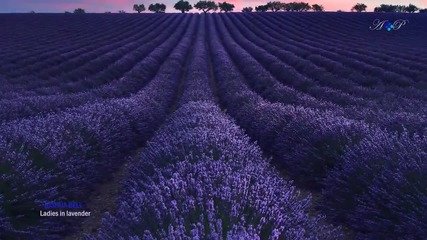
x: 247, y: 9
x: 359, y: 7
x: 386, y: 8
x: 317, y: 8
x: 157, y: 8
x: 32, y: 12
x: 261, y: 8
x: 423, y: 10
x: 183, y: 6
x: 302, y: 6
x: 296, y: 6
x: 378, y: 9
x: 122, y: 11
x: 79, y: 10
x: 108, y: 12
x: 396, y: 8
x: 139, y: 8
x: 287, y: 6
x: 401, y: 8
x: 274, y: 6
x: 412, y: 8
x: 226, y: 7
x: 206, y: 6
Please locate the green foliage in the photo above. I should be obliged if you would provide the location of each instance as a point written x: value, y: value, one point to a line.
x: 183, y: 6
x: 302, y: 6
x: 157, y: 8
x: 226, y: 7
x: 297, y: 6
x: 247, y: 9
x: 401, y: 8
x: 412, y: 8
x: 292, y: 6
x: 288, y: 7
x: 206, y: 6
x: 386, y: 8
x: 396, y: 8
x: 317, y: 8
x: 359, y: 7
x: 79, y: 10
x: 261, y: 8
x: 139, y: 8
x: 274, y: 6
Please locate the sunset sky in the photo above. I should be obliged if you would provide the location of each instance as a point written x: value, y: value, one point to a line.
x: 115, y: 5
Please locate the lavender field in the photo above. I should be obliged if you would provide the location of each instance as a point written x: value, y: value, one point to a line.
x: 213, y: 126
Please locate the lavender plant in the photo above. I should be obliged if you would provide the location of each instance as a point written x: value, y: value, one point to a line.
x: 201, y: 187
x: 133, y: 81
x: 64, y: 155
x: 253, y: 116
x: 197, y: 86
x: 312, y: 143
x: 340, y: 116
x: 5, y: 225
x: 382, y: 182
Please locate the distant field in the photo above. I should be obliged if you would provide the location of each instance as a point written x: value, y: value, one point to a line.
x: 213, y: 126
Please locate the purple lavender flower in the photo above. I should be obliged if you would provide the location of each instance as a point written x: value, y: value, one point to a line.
x: 382, y: 182
x: 191, y: 182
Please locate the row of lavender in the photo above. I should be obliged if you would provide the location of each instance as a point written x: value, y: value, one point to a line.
x: 28, y: 36
x: 318, y: 140
x: 370, y: 179
x: 122, y: 78
x: 344, y: 28
x: 62, y: 66
x: 298, y: 43
x: 405, y: 62
x: 195, y: 180
x: 24, y: 32
x: 393, y: 70
x: 345, y: 67
x: 48, y: 52
x: 390, y: 110
x: 330, y: 94
x: 200, y: 177
x: 64, y: 155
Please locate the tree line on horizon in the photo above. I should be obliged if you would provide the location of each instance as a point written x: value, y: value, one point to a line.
x: 206, y: 6
x: 411, y: 8
x: 397, y: 8
x: 288, y: 7
x: 185, y: 6
x: 273, y: 6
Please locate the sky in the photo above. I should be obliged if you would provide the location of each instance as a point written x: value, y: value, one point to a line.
x: 126, y: 5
